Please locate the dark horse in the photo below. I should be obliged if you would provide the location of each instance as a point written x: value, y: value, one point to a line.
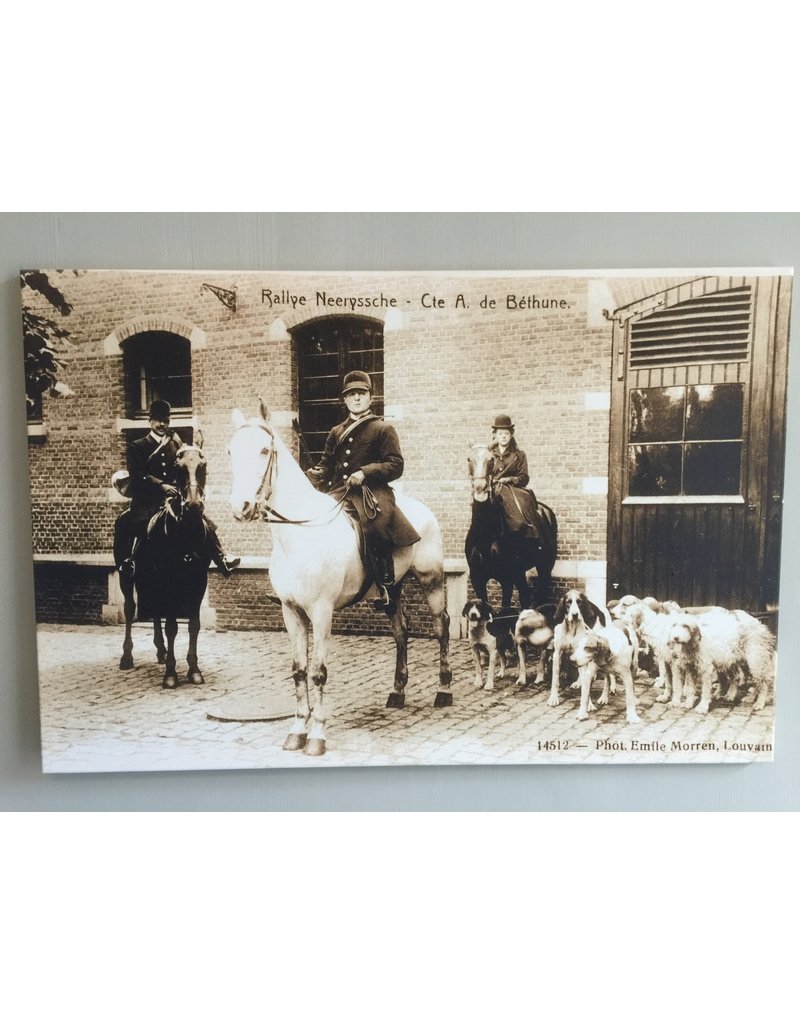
x: 172, y: 568
x: 494, y: 552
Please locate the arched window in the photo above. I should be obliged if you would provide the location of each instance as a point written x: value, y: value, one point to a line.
x: 158, y: 364
x: 327, y: 350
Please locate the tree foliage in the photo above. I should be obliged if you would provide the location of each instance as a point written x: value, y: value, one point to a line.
x: 45, y: 341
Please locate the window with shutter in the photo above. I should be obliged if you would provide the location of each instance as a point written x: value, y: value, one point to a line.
x: 688, y: 369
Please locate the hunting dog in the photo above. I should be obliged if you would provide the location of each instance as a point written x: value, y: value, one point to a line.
x: 532, y: 630
x: 574, y: 617
x: 652, y: 620
x: 703, y: 648
x: 718, y: 644
x: 610, y: 650
x: 492, y: 634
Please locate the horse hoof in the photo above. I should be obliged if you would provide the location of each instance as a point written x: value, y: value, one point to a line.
x: 196, y: 678
x: 295, y: 741
x: 170, y: 682
x: 314, y: 747
x: 161, y: 657
x: 396, y: 700
x: 126, y: 661
x: 443, y: 700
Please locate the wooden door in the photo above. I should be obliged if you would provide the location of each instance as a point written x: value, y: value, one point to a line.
x: 697, y: 439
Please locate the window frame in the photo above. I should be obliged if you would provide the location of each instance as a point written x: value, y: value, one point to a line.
x: 139, y: 360
x: 347, y: 342
x: 689, y: 373
x: 682, y: 443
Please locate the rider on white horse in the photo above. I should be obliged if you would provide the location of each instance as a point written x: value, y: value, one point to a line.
x: 362, y: 455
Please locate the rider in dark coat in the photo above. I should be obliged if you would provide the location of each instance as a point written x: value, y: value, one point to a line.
x: 510, y: 480
x: 363, y: 454
x: 151, y: 481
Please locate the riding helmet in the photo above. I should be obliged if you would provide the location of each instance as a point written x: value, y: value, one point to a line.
x: 160, y: 410
x: 502, y: 422
x: 356, y: 380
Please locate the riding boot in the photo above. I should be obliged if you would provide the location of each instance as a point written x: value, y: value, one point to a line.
x: 127, y: 567
x: 383, y: 571
x: 226, y: 563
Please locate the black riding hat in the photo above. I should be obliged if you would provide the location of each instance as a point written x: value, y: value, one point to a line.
x: 502, y: 422
x: 356, y: 380
x: 160, y: 410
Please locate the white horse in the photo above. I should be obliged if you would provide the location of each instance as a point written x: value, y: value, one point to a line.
x: 316, y: 568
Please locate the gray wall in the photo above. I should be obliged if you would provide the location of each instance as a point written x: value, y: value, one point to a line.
x: 374, y: 242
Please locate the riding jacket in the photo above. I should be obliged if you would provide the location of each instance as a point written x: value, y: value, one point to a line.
x: 372, y: 446
x: 511, y: 466
x: 151, y: 463
x: 519, y: 503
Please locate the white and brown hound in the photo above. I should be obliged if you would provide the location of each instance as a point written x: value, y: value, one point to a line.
x: 607, y: 649
x: 491, y: 634
x: 575, y: 616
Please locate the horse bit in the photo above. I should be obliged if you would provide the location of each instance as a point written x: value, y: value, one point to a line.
x: 265, y: 487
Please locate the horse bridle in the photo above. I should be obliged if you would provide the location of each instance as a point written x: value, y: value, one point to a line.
x: 491, y: 490
x: 487, y: 478
x: 265, y: 510
x: 200, y: 489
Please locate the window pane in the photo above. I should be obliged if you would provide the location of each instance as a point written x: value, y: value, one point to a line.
x: 712, y: 468
x: 317, y: 388
x: 714, y: 411
x: 321, y: 339
x: 654, y: 469
x: 656, y: 414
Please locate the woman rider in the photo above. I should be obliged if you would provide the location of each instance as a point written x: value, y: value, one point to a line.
x: 510, y: 480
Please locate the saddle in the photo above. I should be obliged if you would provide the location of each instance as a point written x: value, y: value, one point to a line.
x: 361, y: 537
x: 368, y: 560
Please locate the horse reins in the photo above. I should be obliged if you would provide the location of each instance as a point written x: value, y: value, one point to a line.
x: 280, y: 519
x: 180, y: 497
x: 492, y: 491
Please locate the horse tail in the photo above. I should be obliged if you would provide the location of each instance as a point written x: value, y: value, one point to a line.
x: 549, y: 520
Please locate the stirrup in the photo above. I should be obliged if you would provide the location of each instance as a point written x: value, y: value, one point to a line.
x: 127, y: 568
x: 383, y: 600
x: 228, y: 563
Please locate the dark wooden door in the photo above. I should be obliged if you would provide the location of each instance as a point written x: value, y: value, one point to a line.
x: 697, y: 440
x: 327, y: 350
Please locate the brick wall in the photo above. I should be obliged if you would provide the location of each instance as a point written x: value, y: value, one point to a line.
x: 448, y: 372
x: 69, y: 593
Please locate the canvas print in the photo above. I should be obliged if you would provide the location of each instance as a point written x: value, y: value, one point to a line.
x: 350, y: 519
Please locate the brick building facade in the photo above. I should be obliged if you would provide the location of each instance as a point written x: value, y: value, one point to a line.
x: 542, y: 353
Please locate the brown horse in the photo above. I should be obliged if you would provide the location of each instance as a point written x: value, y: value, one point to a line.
x: 172, y: 568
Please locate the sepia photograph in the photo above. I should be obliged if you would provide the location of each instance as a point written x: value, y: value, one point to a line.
x: 405, y: 518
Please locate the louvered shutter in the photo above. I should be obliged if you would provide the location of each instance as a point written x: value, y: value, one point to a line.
x: 712, y: 328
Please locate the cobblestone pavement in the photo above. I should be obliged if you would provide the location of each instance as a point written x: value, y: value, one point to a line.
x: 96, y: 717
